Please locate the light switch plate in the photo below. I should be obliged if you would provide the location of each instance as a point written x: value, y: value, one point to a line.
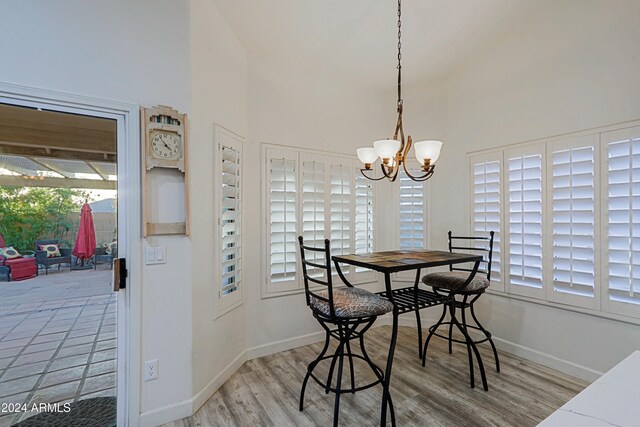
x: 155, y: 255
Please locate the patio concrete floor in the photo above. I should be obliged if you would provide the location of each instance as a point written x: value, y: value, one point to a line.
x: 57, y: 339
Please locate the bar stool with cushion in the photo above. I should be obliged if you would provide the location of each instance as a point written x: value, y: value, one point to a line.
x: 345, y: 314
x: 450, y: 283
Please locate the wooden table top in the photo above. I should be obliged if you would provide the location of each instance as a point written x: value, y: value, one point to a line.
x: 402, y: 260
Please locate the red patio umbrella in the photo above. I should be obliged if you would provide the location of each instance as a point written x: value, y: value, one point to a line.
x: 85, y: 245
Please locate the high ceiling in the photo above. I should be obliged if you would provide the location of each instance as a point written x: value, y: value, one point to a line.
x: 356, y: 39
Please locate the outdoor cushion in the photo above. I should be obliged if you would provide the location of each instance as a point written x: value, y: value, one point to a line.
x: 22, y: 268
x: 452, y: 280
x: 53, y: 250
x: 352, y: 302
x: 9, y: 252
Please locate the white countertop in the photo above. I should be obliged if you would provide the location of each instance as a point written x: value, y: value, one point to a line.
x: 612, y: 400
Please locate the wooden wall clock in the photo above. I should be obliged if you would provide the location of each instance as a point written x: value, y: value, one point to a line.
x: 164, y: 156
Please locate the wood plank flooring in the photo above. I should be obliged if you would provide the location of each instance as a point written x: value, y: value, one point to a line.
x: 264, y: 391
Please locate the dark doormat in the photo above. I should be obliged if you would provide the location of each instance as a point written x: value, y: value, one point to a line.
x: 95, y: 412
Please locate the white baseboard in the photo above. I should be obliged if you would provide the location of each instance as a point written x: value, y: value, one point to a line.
x: 207, y: 391
x: 284, y: 345
x: 166, y: 414
x: 186, y: 408
x: 189, y: 407
x: 548, y: 360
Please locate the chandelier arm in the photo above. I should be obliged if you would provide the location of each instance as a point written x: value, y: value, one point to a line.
x: 428, y: 174
x: 385, y: 174
x: 368, y: 177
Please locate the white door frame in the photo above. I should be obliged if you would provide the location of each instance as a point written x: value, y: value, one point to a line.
x: 129, y: 230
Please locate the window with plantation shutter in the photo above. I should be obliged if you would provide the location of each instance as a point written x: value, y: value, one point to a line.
x: 230, y: 219
x: 313, y: 209
x: 573, y: 222
x: 340, y: 210
x: 282, y: 201
x: 228, y: 180
x: 412, y: 213
x: 524, y: 222
x: 570, y: 213
x: 622, y: 151
x: 364, y: 216
x: 486, y: 211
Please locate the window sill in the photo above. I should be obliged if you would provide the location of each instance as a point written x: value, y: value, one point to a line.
x: 565, y: 307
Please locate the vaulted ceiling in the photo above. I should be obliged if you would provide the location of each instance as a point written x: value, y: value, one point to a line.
x: 356, y: 39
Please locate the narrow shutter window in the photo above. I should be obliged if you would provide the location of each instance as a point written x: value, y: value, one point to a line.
x: 230, y: 222
x: 340, y: 210
x: 525, y: 221
x: 282, y: 214
x: 313, y: 208
x: 412, y: 232
x: 487, y: 208
x: 623, y: 231
x: 573, y: 215
x: 364, y: 216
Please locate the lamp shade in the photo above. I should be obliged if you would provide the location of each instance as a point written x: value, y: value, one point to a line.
x: 367, y: 155
x: 427, y: 150
x: 386, y: 148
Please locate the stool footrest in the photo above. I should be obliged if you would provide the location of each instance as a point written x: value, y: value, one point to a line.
x: 487, y: 336
x: 348, y: 390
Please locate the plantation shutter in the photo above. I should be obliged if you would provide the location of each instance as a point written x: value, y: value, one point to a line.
x: 364, y: 216
x: 230, y: 218
x: 313, y: 210
x: 412, y: 213
x: 487, y: 207
x: 525, y: 223
x: 282, y: 200
x: 623, y: 214
x: 340, y: 210
x: 573, y: 219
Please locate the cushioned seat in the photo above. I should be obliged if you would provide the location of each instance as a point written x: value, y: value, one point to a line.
x: 452, y: 280
x: 352, y: 302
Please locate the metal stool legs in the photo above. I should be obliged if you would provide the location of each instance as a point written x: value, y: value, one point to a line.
x: 344, y: 333
x: 486, y: 333
x: 463, y: 327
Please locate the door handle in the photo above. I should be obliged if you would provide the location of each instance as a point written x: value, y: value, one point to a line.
x: 120, y: 274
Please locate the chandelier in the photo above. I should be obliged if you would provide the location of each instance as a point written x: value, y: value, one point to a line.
x: 395, y: 152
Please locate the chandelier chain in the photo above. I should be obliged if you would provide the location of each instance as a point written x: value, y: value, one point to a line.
x: 399, y: 54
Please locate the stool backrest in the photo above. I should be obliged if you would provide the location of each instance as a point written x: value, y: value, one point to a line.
x: 474, y: 244
x: 324, y: 264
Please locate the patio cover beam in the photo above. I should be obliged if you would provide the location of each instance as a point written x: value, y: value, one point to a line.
x: 39, y: 181
x: 15, y: 150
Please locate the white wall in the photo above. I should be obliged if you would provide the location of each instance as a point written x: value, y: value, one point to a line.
x: 119, y: 50
x: 219, y: 95
x: 152, y: 52
x: 295, y: 105
x: 572, y: 65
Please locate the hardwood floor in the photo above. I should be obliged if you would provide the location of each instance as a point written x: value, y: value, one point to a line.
x: 264, y: 391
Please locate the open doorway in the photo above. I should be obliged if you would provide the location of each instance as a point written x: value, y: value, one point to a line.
x: 58, y: 241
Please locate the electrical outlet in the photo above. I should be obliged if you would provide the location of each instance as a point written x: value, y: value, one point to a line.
x: 151, y: 370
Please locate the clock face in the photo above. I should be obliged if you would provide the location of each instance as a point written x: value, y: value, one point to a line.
x: 166, y: 146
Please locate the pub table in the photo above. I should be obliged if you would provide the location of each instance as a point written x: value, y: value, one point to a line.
x: 412, y: 298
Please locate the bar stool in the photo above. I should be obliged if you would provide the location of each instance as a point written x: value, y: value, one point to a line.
x: 449, y: 283
x: 345, y: 314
